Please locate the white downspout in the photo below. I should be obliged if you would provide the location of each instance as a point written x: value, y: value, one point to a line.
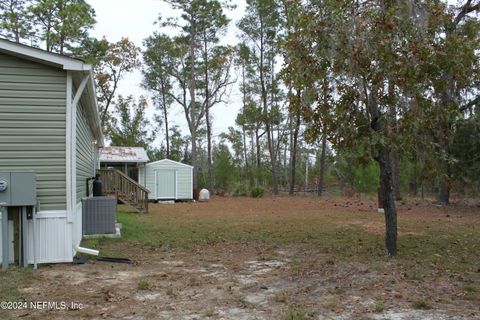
x: 92, y: 252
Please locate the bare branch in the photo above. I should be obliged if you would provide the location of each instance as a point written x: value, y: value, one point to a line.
x: 470, y: 104
x: 465, y: 10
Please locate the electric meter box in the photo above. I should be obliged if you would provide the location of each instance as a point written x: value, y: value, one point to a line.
x: 18, y: 188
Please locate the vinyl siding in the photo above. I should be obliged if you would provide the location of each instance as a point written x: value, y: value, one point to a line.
x: 85, y: 153
x: 184, y: 178
x: 32, y: 125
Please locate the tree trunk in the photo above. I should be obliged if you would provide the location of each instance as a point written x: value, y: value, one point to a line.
x: 62, y: 43
x: 293, y: 153
x: 271, y: 150
x: 445, y: 168
x: 47, y: 40
x: 257, y: 145
x: 273, y: 160
x: 252, y: 155
x: 323, y: 158
x: 379, y: 123
x: 444, y: 188
x: 392, y: 113
x: 209, y: 149
x: 165, y: 117
x: 387, y: 196
x: 193, y: 120
x: 286, y: 170
x: 274, y: 146
x: 17, y: 31
x: 62, y: 33
x: 167, y: 135
x: 396, y: 174
x: 244, y: 101
x: 207, y: 115
x: 245, y: 156
x: 414, y: 180
x: 444, y: 193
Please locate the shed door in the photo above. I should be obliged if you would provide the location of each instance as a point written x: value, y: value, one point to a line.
x: 166, y: 184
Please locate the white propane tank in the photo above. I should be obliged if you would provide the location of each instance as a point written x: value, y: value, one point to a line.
x: 204, y: 195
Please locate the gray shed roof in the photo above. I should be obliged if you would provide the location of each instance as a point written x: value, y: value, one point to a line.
x: 123, y: 155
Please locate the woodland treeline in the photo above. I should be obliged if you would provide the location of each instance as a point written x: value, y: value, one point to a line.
x: 353, y: 95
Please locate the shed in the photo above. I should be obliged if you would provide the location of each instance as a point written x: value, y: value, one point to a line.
x: 167, y: 180
x: 49, y: 125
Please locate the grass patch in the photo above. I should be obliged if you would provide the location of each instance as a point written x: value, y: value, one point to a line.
x: 293, y: 313
x: 210, y: 313
x: 143, y: 284
x: 14, y: 279
x: 331, y: 303
x: 421, y: 304
x: 187, y: 232
x: 169, y: 291
x: 92, y: 243
x: 379, y: 307
x: 194, y: 281
x: 471, y: 292
x: 469, y: 288
x: 337, y: 290
x: 11, y: 281
x: 281, y: 297
x: 414, y: 276
x: 333, y: 232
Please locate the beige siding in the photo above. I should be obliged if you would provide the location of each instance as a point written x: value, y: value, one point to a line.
x: 32, y: 125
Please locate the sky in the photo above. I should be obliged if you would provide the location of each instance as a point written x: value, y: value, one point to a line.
x: 135, y: 19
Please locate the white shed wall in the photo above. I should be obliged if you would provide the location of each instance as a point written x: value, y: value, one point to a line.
x: 184, y: 178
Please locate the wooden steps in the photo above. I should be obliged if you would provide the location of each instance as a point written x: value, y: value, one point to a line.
x: 127, y: 191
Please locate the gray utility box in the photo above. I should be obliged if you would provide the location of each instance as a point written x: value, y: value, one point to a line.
x: 98, y: 215
x: 18, y: 189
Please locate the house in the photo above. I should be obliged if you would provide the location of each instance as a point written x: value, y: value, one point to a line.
x: 119, y: 167
x: 167, y: 180
x: 126, y: 159
x: 49, y: 124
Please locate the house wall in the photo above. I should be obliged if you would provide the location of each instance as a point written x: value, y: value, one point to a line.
x: 32, y: 126
x: 86, y: 153
x: 32, y: 137
x: 184, y: 178
x: 33, y: 112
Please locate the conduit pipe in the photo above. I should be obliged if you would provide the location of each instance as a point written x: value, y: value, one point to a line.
x: 87, y: 251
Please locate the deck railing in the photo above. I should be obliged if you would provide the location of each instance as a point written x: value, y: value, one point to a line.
x: 126, y: 189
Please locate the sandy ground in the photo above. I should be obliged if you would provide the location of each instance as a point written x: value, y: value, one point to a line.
x: 250, y: 281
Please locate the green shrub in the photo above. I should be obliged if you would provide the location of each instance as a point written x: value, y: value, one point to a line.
x: 240, y: 189
x: 256, y: 192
